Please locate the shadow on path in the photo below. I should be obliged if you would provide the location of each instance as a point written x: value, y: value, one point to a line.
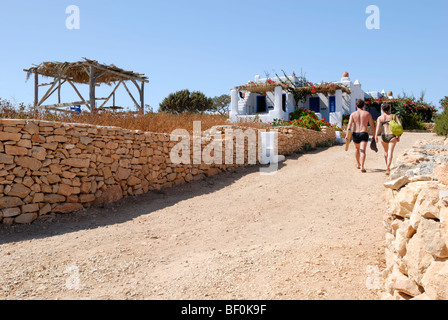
x: 129, y: 208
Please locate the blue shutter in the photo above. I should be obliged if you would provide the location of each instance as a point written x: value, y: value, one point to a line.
x: 315, y: 104
x: 332, y: 101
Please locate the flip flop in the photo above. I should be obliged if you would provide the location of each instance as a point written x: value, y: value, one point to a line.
x: 364, y: 171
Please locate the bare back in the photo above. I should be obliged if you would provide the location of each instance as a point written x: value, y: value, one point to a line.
x: 359, y: 121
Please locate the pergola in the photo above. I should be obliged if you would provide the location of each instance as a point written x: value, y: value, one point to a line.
x: 88, y: 72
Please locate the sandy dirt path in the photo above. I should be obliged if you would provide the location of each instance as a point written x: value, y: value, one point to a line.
x: 312, y: 231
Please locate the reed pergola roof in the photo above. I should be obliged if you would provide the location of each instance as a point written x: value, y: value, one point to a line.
x: 89, y: 72
x: 327, y: 88
x: 261, y: 87
x: 79, y: 72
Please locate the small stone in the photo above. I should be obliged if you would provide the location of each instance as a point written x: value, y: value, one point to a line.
x: 5, y: 136
x: 29, y: 163
x: 53, y: 198
x: 397, y: 183
x: 25, y: 218
x: 39, y: 153
x: 11, y: 212
x: 15, y: 151
x: 19, y: 190
x: 68, y: 207
x: 6, y: 159
x: 9, y: 202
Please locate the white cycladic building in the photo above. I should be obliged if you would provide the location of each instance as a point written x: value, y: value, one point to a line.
x: 280, y: 103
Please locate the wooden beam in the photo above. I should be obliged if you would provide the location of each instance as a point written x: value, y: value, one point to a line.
x: 45, y: 84
x: 59, y: 91
x: 47, y: 94
x: 36, y: 89
x: 59, y: 76
x: 142, y: 97
x: 112, y: 94
x: 116, y: 72
x: 92, y: 89
x: 130, y: 94
x: 66, y: 104
x: 79, y: 95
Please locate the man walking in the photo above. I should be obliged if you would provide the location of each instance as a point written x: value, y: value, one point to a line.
x: 359, y: 121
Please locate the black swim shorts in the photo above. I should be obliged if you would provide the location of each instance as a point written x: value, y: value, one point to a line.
x: 359, y: 137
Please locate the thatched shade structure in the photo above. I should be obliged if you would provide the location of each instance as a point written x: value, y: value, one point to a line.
x: 84, y: 72
x: 262, y: 87
x: 327, y: 89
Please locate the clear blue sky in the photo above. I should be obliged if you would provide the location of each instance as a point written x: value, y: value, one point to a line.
x: 212, y: 46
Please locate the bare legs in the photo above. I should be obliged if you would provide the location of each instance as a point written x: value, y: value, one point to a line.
x: 389, y: 153
x: 361, y: 155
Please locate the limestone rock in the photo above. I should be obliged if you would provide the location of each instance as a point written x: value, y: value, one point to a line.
x: 6, y: 159
x: 39, y: 153
x: 9, y: 202
x: 417, y: 259
x: 441, y: 173
x: 26, y: 218
x: 5, y: 136
x: 19, y: 190
x: 54, y: 198
x: 29, y: 163
x: 397, y: 183
x: 435, y: 281
x: 68, y: 207
x: 111, y: 194
x: 11, y: 212
x: 405, y: 285
x: 432, y: 238
x: 15, y: 151
x: 404, y: 202
x: 77, y: 163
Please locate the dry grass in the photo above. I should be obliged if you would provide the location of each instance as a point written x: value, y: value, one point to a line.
x: 150, y: 122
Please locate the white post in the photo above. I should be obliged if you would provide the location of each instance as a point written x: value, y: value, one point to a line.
x: 278, y: 98
x: 339, y: 101
x: 233, y: 105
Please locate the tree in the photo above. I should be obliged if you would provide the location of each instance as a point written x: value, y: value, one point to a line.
x: 221, y: 104
x: 184, y: 101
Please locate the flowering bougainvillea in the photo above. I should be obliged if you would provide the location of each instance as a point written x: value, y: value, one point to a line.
x: 305, y: 119
x: 412, y: 111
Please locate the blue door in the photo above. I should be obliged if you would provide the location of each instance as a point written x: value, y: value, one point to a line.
x: 284, y: 102
x: 332, y: 101
x: 261, y: 104
x: 315, y: 104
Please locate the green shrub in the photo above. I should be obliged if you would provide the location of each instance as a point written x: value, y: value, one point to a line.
x: 441, y: 126
x: 412, y: 122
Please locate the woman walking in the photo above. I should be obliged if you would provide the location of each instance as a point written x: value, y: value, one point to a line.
x: 389, y: 140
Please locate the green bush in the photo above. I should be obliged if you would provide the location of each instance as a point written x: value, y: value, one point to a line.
x: 412, y: 122
x: 441, y: 126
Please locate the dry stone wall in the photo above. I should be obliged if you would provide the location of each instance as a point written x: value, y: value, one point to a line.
x: 56, y: 168
x: 417, y: 224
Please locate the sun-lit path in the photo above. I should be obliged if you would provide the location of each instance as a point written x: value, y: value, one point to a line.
x: 311, y: 231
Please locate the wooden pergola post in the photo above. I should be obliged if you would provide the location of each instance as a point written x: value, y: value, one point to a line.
x: 36, y: 89
x: 142, y: 97
x: 92, y: 89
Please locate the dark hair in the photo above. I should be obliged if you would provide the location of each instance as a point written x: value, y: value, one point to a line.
x: 360, y: 103
x: 386, y: 107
